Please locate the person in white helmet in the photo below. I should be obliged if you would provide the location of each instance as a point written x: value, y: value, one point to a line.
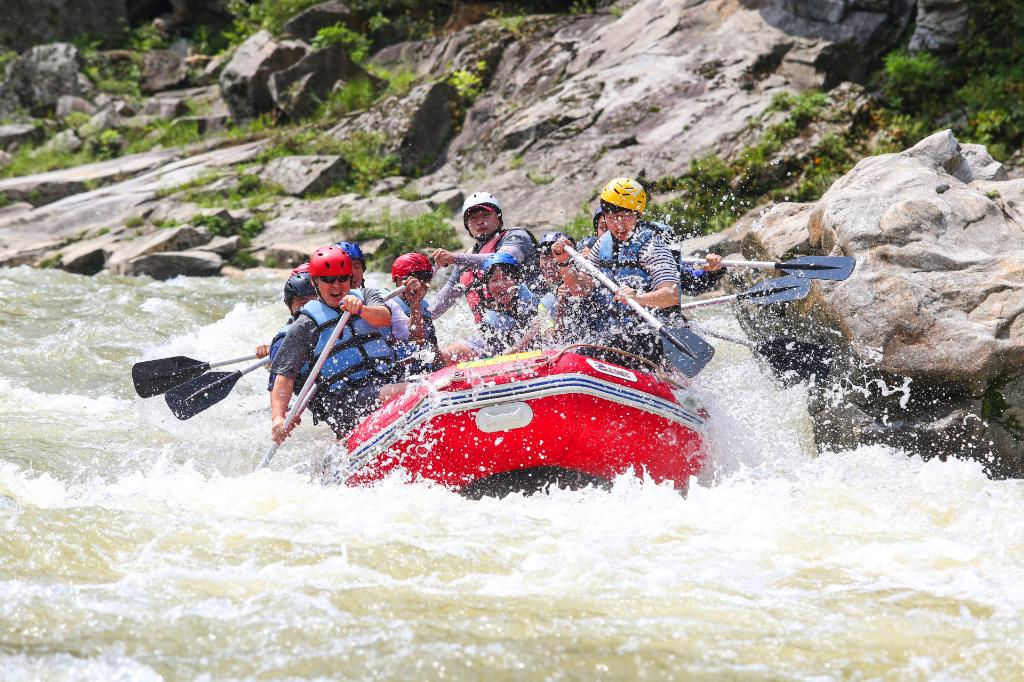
x: 482, y: 218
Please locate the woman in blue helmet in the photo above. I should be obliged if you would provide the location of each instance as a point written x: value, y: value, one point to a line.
x: 371, y: 295
x: 505, y: 317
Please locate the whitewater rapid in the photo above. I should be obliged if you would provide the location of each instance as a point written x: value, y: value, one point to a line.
x: 137, y: 547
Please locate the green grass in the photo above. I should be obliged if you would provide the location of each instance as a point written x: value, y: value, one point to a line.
x: 401, y: 235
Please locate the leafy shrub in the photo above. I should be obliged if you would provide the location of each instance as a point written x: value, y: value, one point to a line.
x: 356, y: 44
x: 911, y: 80
x: 401, y: 235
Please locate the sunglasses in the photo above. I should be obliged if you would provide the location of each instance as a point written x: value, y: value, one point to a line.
x: 332, y: 280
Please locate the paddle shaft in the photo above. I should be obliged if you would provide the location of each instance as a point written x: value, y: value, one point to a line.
x: 759, y: 264
x: 609, y: 284
x: 750, y: 294
x: 306, y: 394
x: 234, y: 361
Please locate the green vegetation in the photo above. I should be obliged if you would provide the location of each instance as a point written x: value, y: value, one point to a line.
x: 580, y: 226
x: 134, y: 221
x: 248, y: 192
x: 357, y: 45
x: 400, y: 235
x: 366, y: 154
x: 468, y: 83
x: 352, y: 96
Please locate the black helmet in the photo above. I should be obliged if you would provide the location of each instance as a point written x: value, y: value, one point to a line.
x: 298, y: 285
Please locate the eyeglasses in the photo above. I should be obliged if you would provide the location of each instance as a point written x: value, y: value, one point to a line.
x: 332, y: 280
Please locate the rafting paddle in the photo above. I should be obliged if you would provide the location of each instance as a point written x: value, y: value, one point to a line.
x: 306, y: 394
x: 189, y: 399
x: 154, y: 377
x: 835, y: 268
x: 777, y: 290
x: 687, y: 352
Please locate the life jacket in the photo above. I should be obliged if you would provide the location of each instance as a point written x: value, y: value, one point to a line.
x: 275, y: 345
x: 472, y: 279
x: 362, y: 354
x: 622, y: 264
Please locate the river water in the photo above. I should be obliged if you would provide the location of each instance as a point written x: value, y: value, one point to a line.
x: 137, y: 547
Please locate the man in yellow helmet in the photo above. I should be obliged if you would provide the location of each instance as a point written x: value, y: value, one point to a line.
x: 636, y: 256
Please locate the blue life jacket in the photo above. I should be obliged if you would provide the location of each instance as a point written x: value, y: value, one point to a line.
x: 275, y: 345
x: 362, y: 354
x: 623, y: 264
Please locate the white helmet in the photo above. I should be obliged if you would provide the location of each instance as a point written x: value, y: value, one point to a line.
x: 480, y: 199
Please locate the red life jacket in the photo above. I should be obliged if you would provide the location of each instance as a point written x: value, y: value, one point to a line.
x: 472, y: 279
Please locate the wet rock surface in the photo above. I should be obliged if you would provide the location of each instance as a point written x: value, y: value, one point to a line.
x: 930, y: 327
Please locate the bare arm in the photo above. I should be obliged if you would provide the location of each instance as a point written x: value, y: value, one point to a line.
x: 279, y: 398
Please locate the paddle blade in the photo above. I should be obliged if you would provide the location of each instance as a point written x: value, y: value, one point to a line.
x: 189, y: 399
x: 820, y: 267
x: 806, y: 360
x: 154, y: 377
x: 778, y: 290
x: 687, y: 351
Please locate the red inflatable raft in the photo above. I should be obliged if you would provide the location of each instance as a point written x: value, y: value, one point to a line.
x: 524, y: 422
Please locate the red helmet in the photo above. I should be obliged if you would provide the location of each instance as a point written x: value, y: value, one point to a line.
x: 328, y: 261
x: 408, y: 263
x: 302, y: 268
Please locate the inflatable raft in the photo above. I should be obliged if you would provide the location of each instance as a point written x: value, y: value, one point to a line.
x: 525, y: 422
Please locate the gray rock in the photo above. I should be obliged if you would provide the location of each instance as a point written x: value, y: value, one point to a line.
x: 417, y: 127
x: 931, y: 324
x: 13, y: 135
x: 301, y: 175
x: 67, y: 104
x: 90, y: 256
x: 204, y: 124
x: 448, y: 198
x: 171, y: 239
x: 831, y: 11
x: 244, y: 81
x: 223, y: 246
x: 38, y: 78
x: 168, y: 264
x: 307, y: 24
x: 33, y: 22
x: 940, y: 25
x: 781, y: 233
x: 162, y: 70
x: 104, y: 119
x: 299, y: 89
x: 166, y: 108
x: 5, y: 158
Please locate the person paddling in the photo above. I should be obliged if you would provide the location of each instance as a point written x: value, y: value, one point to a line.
x: 412, y: 325
x: 483, y: 219
x: 361, y: 362
x: 634, y: 255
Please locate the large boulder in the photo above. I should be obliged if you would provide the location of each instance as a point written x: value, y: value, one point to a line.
x: 162, y: 70
x: 308, y: 23
x: 417, y: 127
x: 299, y: 89
x: 303, y: 175
x: 168, y: 264
x: 244, y: 81
x: 172, y: 239
x: 38, y: 78
x: 13, y: 135
x: 940, y: 25
x: 931, y: 324
x: 32, y: 22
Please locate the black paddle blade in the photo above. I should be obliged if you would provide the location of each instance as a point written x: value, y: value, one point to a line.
x: 189, y: 399
x: 154, y: 377
x: 687, y: 351
x: 778, y: 290
x: 820, y: 267
x: 806, y: 360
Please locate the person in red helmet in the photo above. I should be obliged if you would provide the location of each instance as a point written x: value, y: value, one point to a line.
x: 412, y: 325
x: 359, y: 364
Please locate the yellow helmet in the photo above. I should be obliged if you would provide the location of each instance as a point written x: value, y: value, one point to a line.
x: 625, y: 193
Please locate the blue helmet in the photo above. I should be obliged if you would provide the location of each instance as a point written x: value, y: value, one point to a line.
x: 298, y: 285
x: 499, y: 259
x: 353, y: 251
x: 597, y: 214
x: 550, y: 238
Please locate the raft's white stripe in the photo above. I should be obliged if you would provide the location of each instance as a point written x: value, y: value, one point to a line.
x: 478, y: 397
